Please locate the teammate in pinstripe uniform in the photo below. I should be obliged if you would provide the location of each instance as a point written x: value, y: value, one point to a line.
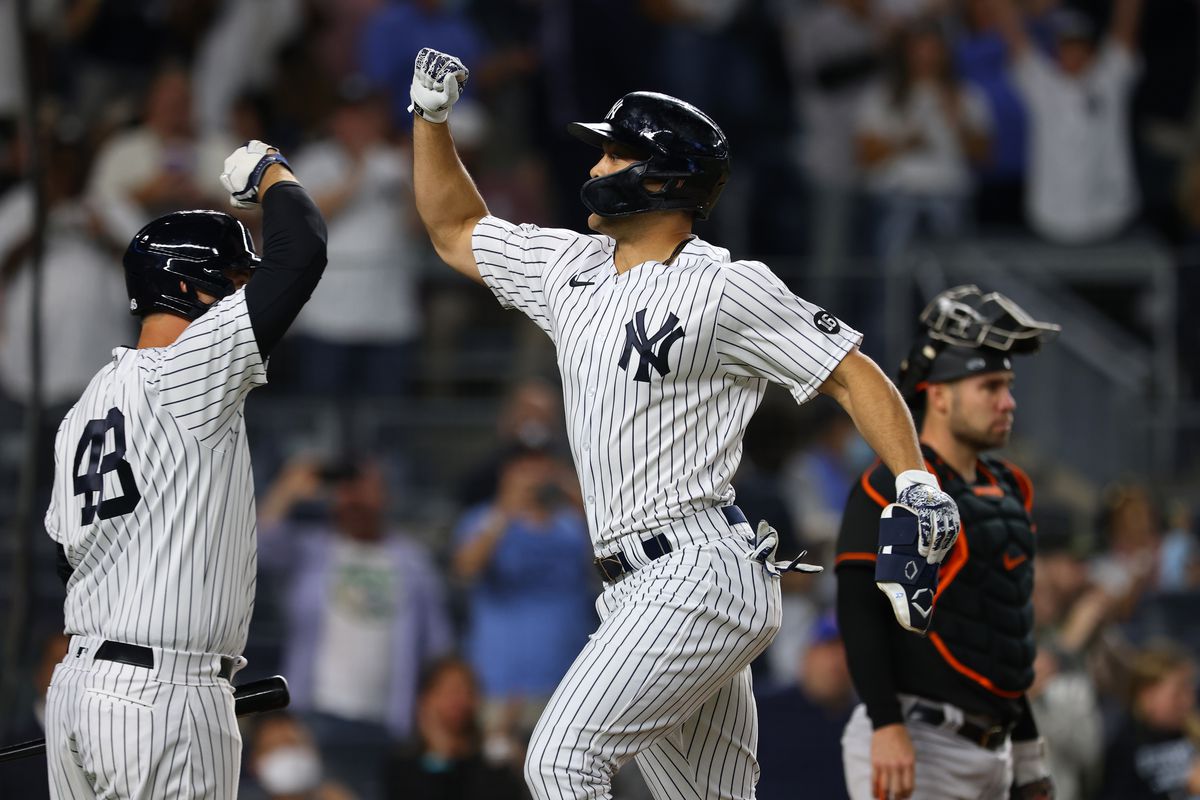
x: 665, y: 345
x: 153, y: 500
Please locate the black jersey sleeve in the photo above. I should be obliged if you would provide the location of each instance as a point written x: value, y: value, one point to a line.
x: 865, y: 617
x: 294, y: 238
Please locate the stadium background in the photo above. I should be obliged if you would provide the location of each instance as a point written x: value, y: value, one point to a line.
x: 446, y: 385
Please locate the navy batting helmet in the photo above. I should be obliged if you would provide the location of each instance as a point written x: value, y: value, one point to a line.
x: 966, y: 332
x: 675, y: 142
x: 196, y: 247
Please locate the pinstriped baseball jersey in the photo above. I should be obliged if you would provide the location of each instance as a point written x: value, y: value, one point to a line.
x: 153, y: 500
x: 662, y: 366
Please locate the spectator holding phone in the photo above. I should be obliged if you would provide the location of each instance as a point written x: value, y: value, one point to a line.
x: 364, y: 612
x: 526, y: 558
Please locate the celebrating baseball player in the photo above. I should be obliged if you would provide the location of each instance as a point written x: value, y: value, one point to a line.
x: 944, y: 716
x: 665, y: 345
x: 153, y: 502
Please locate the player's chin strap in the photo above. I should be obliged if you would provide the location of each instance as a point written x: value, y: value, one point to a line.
x: 766, y: 542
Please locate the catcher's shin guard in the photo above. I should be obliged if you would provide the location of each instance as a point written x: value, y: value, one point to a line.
x: 902, y: 573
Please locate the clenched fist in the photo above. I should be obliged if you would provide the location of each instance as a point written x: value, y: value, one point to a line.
x: 438, y: 79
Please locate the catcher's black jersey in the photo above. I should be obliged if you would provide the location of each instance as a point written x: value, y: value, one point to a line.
x: 979, y: 652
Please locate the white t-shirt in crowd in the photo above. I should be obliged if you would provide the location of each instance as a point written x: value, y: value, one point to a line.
x: 373, y: 265
x: 1082, y: 185
x: 940, y: 166
x: 353, y: 662
x: 130, y: 159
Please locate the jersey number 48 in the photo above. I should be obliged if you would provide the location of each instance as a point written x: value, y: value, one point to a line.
x: 90, y: 483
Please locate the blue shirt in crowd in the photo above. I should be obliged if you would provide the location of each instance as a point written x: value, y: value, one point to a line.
x: 533, y: 606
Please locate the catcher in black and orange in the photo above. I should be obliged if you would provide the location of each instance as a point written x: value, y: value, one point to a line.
x: 944, y: 714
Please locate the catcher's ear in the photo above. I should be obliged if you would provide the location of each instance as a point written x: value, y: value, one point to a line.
x: 938, y: 397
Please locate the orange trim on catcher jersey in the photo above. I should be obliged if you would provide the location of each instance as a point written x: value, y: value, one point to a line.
x: 966, y: 671
x: 953, y: 563
x: 987, y: 491
x: 855, y: 557
x: 1023, y: 483
x: 865, y: 480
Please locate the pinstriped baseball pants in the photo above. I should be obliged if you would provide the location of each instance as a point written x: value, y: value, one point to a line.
x: 665, y: 678
x: 131, y: 733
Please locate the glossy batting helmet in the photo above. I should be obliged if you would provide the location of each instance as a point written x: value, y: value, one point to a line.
x: 675, y: 142
x: 195, y: 247
x: 965, y: 332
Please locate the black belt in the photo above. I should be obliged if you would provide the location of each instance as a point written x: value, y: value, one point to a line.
x: 990, y: 737
x: 617, y: 565
x: 138, y: 656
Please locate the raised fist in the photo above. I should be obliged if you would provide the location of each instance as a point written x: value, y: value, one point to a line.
x: 437, y: 82
x: 244, y: 169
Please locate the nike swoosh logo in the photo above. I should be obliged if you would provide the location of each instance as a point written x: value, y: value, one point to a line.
x: 1011, y: 562
x: 575, y: 282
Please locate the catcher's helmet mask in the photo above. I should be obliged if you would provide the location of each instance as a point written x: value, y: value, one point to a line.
x: 676, y: 144
x: 196, y: 248
x: 966, y: 332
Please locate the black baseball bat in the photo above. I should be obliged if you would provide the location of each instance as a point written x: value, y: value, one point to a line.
x: 255, y: 697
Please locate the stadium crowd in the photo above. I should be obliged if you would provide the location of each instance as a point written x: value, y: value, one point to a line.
x: 423, y: 623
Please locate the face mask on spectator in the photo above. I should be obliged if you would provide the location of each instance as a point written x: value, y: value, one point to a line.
x: 289, y: 770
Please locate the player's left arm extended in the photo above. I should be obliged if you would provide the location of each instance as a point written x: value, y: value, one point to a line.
x: 878, y: 411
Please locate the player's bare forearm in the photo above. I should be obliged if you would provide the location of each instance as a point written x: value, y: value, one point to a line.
x: 447, y: 200
x: 878, y: 411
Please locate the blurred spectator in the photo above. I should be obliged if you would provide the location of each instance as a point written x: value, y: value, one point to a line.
x: 527, y: 559
x: 285, y: 764
x: 918, y: 136
x: 1131, y: 527
x: 531, y: 418
x: 1068, y: 614
x: 111, y: 49
x: 159, y: 166
x: 1154, y: 755
x: 444, y: 762
x: 982, y: 56
x: 364, y: 609
x: 801, y: 725
x: 83, y: 291
x: 359, y: 332
x: 238, y: 55
x: 819, y: 476
x: 835, y: 54
x: 26, y: 777
x: 394, y: 35
x: 1082, y: 186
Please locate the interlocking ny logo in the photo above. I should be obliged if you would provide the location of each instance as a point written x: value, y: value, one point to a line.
x: 664, y: 337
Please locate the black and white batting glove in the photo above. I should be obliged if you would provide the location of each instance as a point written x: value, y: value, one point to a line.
x: 1031, y: 773
x: 437, y: 82
x: 762, y: 550
x: 244, y: 169
x: 936, y: 512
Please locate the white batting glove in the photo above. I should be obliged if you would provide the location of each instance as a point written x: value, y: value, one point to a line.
x: 244, y: 169
x: 437, y: 82
x: 937, y: 513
